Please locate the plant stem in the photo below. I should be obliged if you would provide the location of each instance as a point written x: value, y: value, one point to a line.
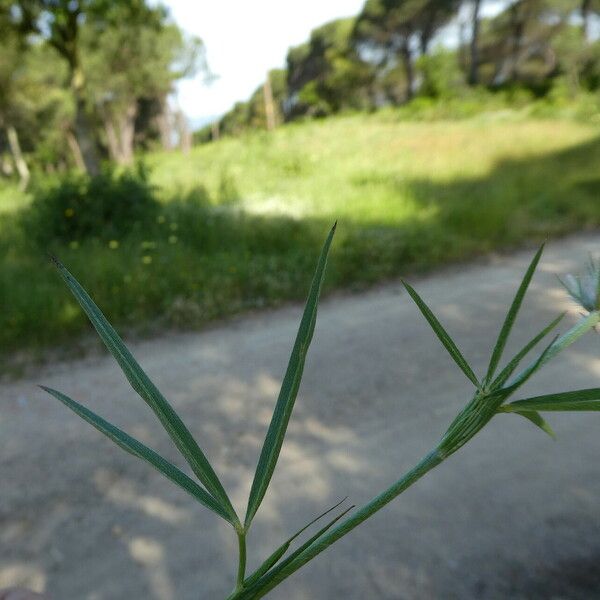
x: 433, y: 459
x: 571, y: 336
x: 241, y: 533
x: 468, y: 430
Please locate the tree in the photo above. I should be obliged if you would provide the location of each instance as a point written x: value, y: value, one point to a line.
x: 119, y: 56
x: 387, y: 31
x: 131, y: 53
x: 11, y: 62
x: 58, y: 22
x: 326, y: 74
x: 269, y: 104
x: 517, y: 45
x: 473, y: 78
x: 588, y: 9
x: 252, y: 114
x: 34, y: 108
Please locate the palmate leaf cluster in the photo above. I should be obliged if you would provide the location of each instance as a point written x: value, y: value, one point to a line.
x: 493, y: 390
x: 490, y: 398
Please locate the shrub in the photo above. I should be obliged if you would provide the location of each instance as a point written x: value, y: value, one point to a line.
x: 442, y: 75
x: 78, y: 207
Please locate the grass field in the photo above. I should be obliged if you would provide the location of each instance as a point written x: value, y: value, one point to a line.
x: 243, y: 219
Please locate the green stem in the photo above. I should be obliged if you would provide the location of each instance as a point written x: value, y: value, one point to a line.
x: 571, y: 336
x: 241, y: 533
x: 270, y: 581
x: 471, y: 425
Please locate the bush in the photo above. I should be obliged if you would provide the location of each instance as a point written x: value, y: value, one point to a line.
x: 78, y: 207
x: 441, y: 75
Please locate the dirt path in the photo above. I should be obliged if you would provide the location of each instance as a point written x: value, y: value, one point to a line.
x: 513, y: 515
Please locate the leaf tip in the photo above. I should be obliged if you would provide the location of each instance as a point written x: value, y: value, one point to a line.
x: 54, y: 260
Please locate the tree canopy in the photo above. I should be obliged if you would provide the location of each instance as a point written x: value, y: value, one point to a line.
x: 114, y: 65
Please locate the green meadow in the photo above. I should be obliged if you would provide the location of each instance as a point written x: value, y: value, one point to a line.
x: 241, y: 221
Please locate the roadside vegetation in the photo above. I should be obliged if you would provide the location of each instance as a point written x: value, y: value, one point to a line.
x: 426, y: 153
x: 489, y: 398
x: 237, y: 224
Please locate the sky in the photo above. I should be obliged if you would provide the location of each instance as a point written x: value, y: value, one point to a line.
x: 244, y: 40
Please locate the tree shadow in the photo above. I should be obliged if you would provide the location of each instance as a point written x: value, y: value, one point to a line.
x: 377, y: 393
x: 203, y: 260
x: 518, y: 199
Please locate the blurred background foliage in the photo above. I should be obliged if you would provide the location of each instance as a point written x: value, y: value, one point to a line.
x: 427, y: 151
x: 395, y: 51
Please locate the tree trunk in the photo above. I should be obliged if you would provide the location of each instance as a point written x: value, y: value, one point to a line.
x: 473, y: 78
x: 75, y: 150
x: 424, y: 40
x: 428, y: 30
x: 112, y: 140
x: 215, y: 132
x: 507, y: 69
x: 183, y: 130
x: 586, y: 6
x: 83, y: 129
x: 408, y: 68
x: 120, y: 133
x: 126, y: 133
x: 15, y: 149
x: 7, y: 167
x: 518, y: 33
x: 462, y: 44
x: 164, y: 125
x: 269, y: 107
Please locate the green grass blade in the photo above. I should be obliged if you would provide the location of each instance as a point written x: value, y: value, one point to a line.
x: 289, y: 389
x: 141, y: 383
x: 512, y: 315
x: 537, y: 420
x: 442, y: 334
x: 257, y: 585
x: 524, y: 375
x: 588, y: 399
x: 279, y: 552
x: 264, y: 568
x: 514, y: 363
x: 315, y: 537
x: 136, y: 448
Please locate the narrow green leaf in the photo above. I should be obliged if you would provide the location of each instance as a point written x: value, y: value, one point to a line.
x: 257, y: 585
x: 514, y: 363
x: 315, y: 537
x: 580, y: 328
x: 537, y: 420
x: 141, y: 383
x: 579, y: 400
x: 271, y: 560
x: 512, y: 315
x: 289, y: 390
x: 526, y: 373
x: 442, y: 334
x: 279, y: 552
x: 136, y: 448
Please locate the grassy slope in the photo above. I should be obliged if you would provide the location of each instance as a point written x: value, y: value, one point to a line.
x: 407, y: 195
x: 377, y: 170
